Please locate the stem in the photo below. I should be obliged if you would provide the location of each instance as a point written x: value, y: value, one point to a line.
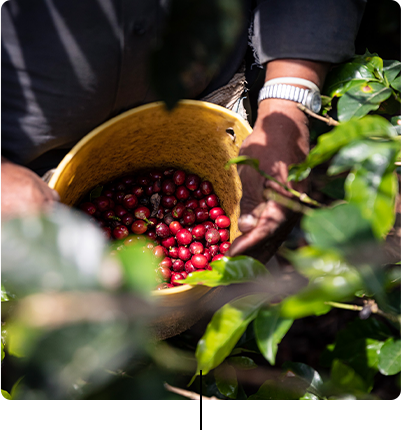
x: 328, y: 120
x: 284, y: 201
x: 344, y: 306
x: 185, y: 393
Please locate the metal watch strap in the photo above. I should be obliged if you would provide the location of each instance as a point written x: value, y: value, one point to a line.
x: 283, y: 91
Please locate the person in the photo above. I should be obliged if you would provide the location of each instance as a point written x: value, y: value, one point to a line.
x: 69, y: 66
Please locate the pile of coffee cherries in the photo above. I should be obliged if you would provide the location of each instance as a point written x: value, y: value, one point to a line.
x: 178, y: 214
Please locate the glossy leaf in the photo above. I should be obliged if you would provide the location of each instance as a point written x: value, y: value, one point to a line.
x: 270, y: 329
x: 6, y: 395
x: 60, y: 251
x: 308, y: 374
x: 392, y: 72
x: 345, y: 133
x: 339, y: 227
x: 228, y: 270
x: 242, y: 362
x: 224, y: 331
x: 390, y: 357
x: 361, y: 99
x: 226, y: 381
x: 345, y: 378
x: 331, y: 279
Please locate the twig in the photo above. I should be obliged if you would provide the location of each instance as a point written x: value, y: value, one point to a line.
x: 344, y: 306
x: 185, y: 393
x: 295, y: 206
x: 328, y: 120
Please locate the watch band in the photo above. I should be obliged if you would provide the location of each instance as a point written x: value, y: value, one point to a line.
x: 293, y: 81
x: 283, y: 91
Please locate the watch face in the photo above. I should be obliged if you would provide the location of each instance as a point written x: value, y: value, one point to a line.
x: 316, y: 103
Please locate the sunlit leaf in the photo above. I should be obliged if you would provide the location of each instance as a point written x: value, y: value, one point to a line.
x: 270, y: 329
x: 224, y: 331
x: 228, y: 270
x: 390, y: 357
x: 361, y: 99
x: 6, y: 395
x: 345, y: 378
x: 226, y: 381
x: 308, y: 374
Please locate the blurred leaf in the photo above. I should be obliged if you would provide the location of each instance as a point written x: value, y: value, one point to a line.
x: 6, y: 395
x: 228, y: 270
x: 224, y: 331
x: 286, y: 388
x: 331, y: 279
x: 360, y: 99
x: 309, y: 396
x: 96, y: 192
x: 242, y: 362
x: 345, y: 378
x: 396, y: 122
x: 343, y: 134
x: 226, y: 381
x: 308, y: 374
x: 198, y: 37
x: 245, y: 160
x: 340, y: 227
x: 4, y: 295
x: 334, y: 189
x: 390, y: 357
x: 270, y: 329
x: 61, y: 251
x: 140, y: 267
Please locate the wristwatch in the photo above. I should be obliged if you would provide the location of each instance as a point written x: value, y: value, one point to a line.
x: 281, y: 88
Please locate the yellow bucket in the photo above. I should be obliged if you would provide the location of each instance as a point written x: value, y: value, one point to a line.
x: 196, y: 136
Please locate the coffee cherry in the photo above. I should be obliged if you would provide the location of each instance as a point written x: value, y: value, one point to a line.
x: 198, y: 232
x: 178, y: 266
x: 206, y: 187
x: 176, y: 277
x: 142, y: 212
x: 188, y: 217
x: 88, y: 208
x: 130, y: 201
x: 179, y: 177
x: 202, y: 204
x: 168, y: 187
x: 189, y: 267
x: 175, y: 226
x: 224, y: 247
x: 192, y: 182
x: 197, y: 194
x: 138, y: 191
x: 127, y: 219
x: 166, y: 262
x: 160, y: 252
x: 169, y: 201
x: 199, y: 261
x: 168, y: 219
x: 207, y: 254
x: 157, y: 186
x: 184, y: 237
x: 169, y: 172
x: 212, y: 236
x: 156, y: 175
x: 212, y: 200
x: 173, y: 252
x: 102, y: 203
x: 151, y: 234
x: 215, y: 212
x: 143, y: 180
x: 222, y: 221
x: 162, y: 230
x: 139, y: 227
x: 108, y: 214
x: 178, y: 210
x: 192, y: 204
x: 196, y: 248
x: 224, y: 235
x: 217, y: 257
x: 120, y: 232
x: 201, y: 215
x: 169, y: 242
x: 152, y: 222
x: 182, y: 193
x: 120, y: 186
x: 119, y: 197
x: 184, y: 253
x: 108, y: 193
x: 164, y: 272
x: 120, y: 211
x: 184, y: 274
x: 208, y: 225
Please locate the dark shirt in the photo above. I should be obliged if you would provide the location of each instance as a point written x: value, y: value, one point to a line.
x: 70, y: 65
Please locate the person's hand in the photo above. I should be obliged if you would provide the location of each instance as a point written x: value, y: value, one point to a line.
x: 280, y: 138
x: 23, y: 192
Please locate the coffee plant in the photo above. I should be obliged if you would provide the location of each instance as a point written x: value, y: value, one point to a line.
x: 77, y: 317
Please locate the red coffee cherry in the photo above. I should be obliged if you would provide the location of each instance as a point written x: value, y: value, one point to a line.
x: 199, y: 261
x: 88, y: 208
x: 222, y: 221
x: 139, y: 227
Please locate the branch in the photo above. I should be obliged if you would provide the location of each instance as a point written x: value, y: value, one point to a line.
x: 185, y: 393
x: 293, y: 205
x: 328, y: 120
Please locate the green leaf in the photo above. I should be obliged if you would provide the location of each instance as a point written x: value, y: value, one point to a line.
x: 328, y: 144
x: 308, y: 374
x: 60, y: 251
x: 139, y: 268
x: 270, y: 329
x: 396, y: 121
x: 6, y: 395
x: 242, y: 362
x: 360, y: 99
x: 285, y: 388
x: 4, y: 295
x: 391, y: 69
x: 226, y: 381
x: 224, y: 331
x: 390, y: 357
x: 228, y: 270
x: 96, y: 192
x: 340, y: 227
x: 334, y: 189
x: 309, y: 396
x: 345, y: 378
x: 245, y: 160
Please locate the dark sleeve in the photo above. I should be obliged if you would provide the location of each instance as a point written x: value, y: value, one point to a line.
x: 318, y: 30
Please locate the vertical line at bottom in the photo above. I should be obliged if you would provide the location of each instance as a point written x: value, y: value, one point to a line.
x: 200, y: 374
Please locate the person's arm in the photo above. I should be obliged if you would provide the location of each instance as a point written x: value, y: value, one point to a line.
x: 280, y: 138
x: 23, y: 191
